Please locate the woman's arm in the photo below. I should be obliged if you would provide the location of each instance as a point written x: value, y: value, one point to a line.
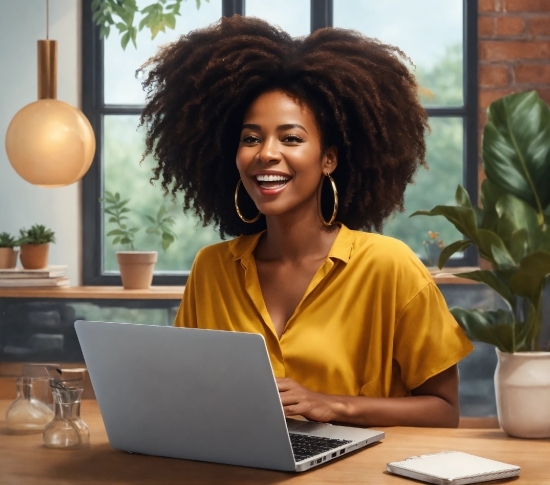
x: 433, y: 404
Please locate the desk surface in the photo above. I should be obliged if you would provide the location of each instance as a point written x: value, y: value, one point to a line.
x: 23, y: 459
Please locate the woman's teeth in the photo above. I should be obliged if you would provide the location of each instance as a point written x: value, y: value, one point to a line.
x: 272, y: 181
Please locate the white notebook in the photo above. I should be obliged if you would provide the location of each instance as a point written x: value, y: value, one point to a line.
x: 452, y: 468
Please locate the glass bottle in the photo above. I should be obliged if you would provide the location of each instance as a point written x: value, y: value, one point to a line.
x: 67, y: 430
x: 29, y: 413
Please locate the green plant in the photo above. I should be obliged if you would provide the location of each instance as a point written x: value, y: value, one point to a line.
x: 511, y: 228
x: 37, y: 234
x: 7, y: 240
x: 122, y: 13
x: 117, y: 208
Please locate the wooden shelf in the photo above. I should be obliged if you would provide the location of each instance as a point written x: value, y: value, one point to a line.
x: 446, y: 276
x: 441, y: 277
x: 96, y: 292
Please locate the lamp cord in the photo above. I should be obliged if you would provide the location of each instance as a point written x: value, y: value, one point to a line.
x: 47, y: 19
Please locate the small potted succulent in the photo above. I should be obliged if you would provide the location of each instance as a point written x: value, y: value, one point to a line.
x: 35, y: 246
x: 8, y: 255
x: 136, y: 267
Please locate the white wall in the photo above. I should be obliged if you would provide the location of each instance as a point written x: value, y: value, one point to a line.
x: 22, y: 23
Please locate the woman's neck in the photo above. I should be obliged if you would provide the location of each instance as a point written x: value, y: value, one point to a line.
x: 295, y: 238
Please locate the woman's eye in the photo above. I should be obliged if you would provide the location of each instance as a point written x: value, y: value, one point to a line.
x: 250, y: 139
x: 293, y: 139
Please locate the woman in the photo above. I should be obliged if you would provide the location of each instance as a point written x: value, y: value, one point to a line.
x: 293, y: 146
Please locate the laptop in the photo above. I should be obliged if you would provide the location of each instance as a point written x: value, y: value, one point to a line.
x: 204, y: 395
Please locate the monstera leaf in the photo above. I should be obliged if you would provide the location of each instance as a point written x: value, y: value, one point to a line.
x: 497, y: 328
x: 516, y: 148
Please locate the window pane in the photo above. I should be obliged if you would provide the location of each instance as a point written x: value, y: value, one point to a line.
x: 293, y: 16
x: 121, y: 85
x: 428, y: 31
x: 123, y: 146
x: 434, y: 186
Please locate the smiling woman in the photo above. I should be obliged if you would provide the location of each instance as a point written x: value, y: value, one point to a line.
x: 356, y: 329
x: 279, y: 156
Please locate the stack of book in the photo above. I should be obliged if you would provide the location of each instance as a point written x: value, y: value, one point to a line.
x: 49, y: 276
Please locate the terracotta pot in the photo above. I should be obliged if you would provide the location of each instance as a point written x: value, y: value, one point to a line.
x: 34, y: 256
x: 522, y: 387
x: 136, y: 268
x: 8, y: 258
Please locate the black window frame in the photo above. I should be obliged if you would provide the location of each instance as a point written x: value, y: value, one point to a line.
x: 321, y: 16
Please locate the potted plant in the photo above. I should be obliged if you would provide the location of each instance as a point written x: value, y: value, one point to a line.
x: 136, y: 267
x: 433, y: 247
x: 8, y: 255
x: 35, y: 246
x: 511, y: 231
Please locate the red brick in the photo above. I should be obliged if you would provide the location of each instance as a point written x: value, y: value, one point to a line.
x: 482, y: 119
x: 486, y: 26
x: 510, y: 26
x: 544, y: 93
x: 490, y: 76
x: 486, y: 97
x: 540, y: 26
x: 486, y: 6
x: 527, y: 5
x: 513, y: 50
x: 532, y: 73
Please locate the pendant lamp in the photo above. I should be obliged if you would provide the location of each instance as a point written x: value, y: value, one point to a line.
x: 50, y: 143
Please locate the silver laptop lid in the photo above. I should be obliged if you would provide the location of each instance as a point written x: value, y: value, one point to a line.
x: 187, y: 393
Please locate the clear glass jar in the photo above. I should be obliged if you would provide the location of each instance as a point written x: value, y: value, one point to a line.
x: 67, y: 430
x: 32, y: 409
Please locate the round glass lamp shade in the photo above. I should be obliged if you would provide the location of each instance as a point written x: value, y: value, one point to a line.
x: 49, y: 143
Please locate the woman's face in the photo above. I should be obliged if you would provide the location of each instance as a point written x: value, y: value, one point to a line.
x: 279, y: 156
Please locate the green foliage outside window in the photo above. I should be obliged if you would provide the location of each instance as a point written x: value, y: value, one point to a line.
x: 156, y: 16
x: 445, y: 157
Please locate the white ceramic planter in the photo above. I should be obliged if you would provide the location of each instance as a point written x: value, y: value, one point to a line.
x: 136, y: 268
x: 522, y: 387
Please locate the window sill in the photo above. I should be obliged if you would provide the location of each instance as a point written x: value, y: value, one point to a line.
x: 96, y: 293
x: 444, y: 276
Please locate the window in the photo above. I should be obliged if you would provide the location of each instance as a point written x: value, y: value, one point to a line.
x: 439, y: 37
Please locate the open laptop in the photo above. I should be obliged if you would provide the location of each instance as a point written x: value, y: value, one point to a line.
x: 202, y: 395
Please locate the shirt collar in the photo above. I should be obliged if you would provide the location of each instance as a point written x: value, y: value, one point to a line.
x: 242, y: 247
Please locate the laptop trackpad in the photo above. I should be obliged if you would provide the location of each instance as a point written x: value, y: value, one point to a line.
x: 298, y: 426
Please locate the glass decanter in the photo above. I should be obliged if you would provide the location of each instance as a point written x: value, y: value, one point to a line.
x: 67, y: 430
x: 30, y: 412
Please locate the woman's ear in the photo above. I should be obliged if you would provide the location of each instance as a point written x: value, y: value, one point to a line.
x: 330, y: 159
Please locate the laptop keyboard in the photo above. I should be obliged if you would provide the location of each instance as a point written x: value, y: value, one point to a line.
x: 305, y: 446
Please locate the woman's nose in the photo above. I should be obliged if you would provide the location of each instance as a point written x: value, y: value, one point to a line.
x: 269, y: 151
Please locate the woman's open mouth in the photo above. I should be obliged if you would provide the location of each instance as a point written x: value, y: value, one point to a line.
x: 272, y: 181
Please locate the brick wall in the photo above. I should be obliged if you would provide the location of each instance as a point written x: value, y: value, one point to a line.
x: 514, y: 50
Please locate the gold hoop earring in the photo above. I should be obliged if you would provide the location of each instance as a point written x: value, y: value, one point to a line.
x: 335, y: 209
x: 244, y: 219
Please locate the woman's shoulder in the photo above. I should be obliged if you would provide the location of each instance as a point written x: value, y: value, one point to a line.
x: 378, y: 245
x: 387, y: 256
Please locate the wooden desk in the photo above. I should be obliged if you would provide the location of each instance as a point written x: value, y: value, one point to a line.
x: 24, y: 460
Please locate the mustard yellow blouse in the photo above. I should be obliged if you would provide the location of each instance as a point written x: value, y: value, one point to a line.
x: 371, y: 322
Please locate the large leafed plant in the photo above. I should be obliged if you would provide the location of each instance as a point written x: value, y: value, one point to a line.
x: 511, y: 227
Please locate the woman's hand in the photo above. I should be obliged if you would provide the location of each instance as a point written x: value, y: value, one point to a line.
x: 434, y: 403
x: 298, y: 400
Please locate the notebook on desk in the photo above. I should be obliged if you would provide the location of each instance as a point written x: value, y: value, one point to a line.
x: 202, y: 395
